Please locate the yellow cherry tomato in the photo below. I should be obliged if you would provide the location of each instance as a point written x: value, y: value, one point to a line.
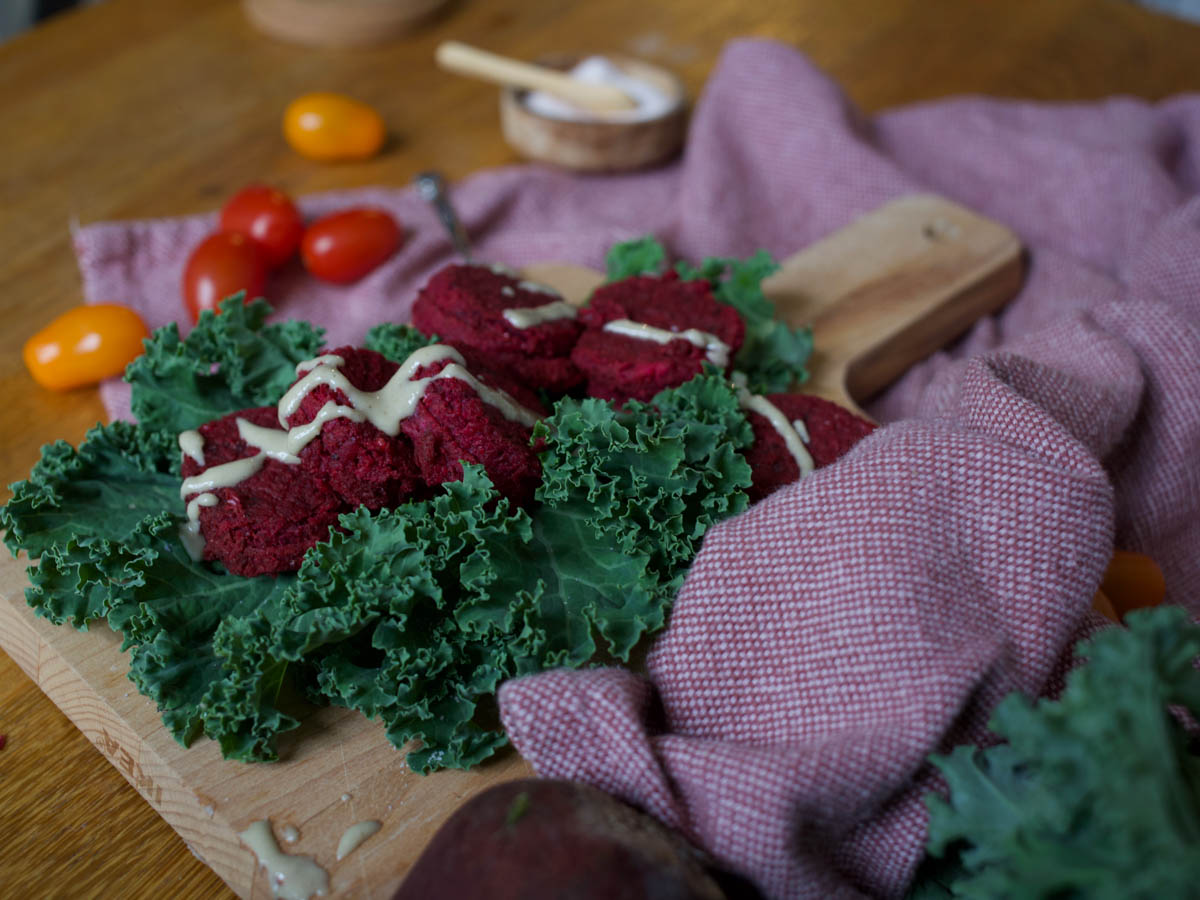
x: 328, y: 127
x: 85, y: 345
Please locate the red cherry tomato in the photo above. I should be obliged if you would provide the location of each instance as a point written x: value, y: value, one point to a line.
x: 269, y: 218
x: 222, y: 264
x: 345, y: 246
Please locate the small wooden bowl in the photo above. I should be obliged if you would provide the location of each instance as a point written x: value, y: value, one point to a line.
x: 338, y: 23
x: 597, y: 145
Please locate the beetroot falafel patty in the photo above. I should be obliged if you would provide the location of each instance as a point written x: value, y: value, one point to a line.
x: 831, y: 431
x: 466, y: 306
x: 263, y: 524
x: 453, y: 423
x: 362, y: 464
x: 623, y: 361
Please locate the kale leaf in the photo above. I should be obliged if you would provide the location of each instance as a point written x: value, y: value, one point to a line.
x: 644, y: 256
x: 396, y: 342
x: 228, y: 362
x: 1096, y: 794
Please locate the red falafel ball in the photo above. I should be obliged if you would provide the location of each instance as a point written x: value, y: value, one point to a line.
x: 363, y: 465
x: 832, y: 430
x: 453, y: 423
x: 465, y: 306
x: 263, y: 524
x: 619, y: 367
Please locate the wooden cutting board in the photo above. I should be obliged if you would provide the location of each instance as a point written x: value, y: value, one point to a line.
x: 881, y: 294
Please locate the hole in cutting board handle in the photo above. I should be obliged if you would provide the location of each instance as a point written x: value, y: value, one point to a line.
x: 941, y: 230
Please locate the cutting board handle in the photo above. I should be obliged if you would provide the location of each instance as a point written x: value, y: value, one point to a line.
x: 891, y: 288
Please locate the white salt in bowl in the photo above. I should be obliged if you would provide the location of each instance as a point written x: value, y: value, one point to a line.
x: 540, y: 129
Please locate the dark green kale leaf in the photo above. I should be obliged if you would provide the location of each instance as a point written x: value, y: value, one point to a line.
x: 774, y: 355
x: 120, y: 474
x: 201, y: 642
x: 78, y: 512
x: 228, y: 362
x: 653, y: 477
x: 1095, y: 795
x: 399, y: 613
x: 644, y: 256
x: 396, y: 342
x: 417, y: 613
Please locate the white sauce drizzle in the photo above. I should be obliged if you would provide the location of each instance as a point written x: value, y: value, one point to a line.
x: 786, y: 430
x: 498, y: 268
x: 354, y: 836
x: 191, y: 442
x: 801, y: 429
x: 292, y: 877
x: 529, y: 316
x: 225, y: 475
x: 290, y: 833
x: 536, y: 287
x: 715, y: 349
x: 397, y: 400
x: 193, y: 541
x: 508, y: 291
x: 385, y: 409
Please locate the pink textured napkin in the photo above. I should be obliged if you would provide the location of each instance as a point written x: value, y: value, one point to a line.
x: 829, y: 639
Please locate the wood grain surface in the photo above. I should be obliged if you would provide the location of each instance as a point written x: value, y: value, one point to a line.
x: 136, y: 108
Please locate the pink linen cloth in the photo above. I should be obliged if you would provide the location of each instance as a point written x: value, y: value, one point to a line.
x: 829, y: 639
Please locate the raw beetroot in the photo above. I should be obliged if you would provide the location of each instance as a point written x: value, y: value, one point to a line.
x: 537, y: 839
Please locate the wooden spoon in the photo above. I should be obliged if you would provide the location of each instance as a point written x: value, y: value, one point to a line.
x: 475, y: 63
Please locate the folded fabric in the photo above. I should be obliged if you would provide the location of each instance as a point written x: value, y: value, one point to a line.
x: 832, y: 637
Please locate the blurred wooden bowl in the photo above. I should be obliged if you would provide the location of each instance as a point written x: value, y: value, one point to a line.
x: 338, y: 23
x: 597, y: 144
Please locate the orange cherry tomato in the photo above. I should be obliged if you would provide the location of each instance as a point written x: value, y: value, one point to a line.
x: 85, y: 345
x: 1132, y: 581
x: 222, y: 264
x: 328, y: 127
x: 268, y: 217
x: 345, y: 246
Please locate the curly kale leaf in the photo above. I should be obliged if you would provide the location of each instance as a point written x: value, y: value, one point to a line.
x: 1094, y: 795
x: 227, y: 362
x: 652, y: 478
x: 396, y: 342
x: 437, y: 602
x: 644, y: 256
x: 774, y: 355
x: 202, y: 648
x: 78, y: 514
x: 399, y: 615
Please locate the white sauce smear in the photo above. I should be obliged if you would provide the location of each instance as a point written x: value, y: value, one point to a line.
x: 354, y: 836
x: 292, y: 877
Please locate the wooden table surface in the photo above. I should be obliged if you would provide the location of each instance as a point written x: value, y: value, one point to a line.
x: 139, y: 108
